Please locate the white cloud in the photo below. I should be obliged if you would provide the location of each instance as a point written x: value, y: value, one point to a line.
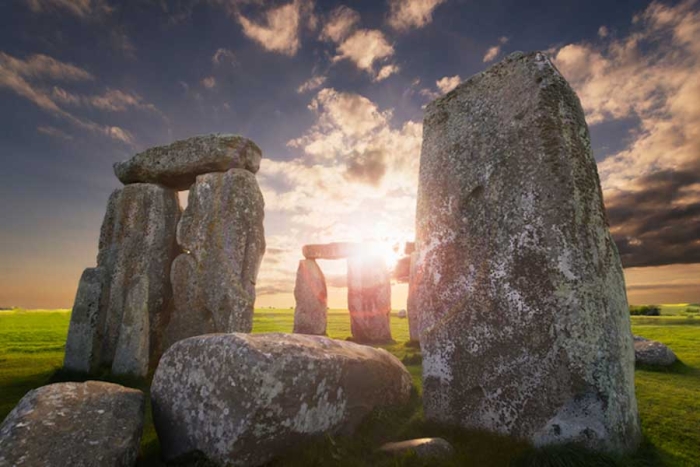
x: 223, y: 56
x: 279, y: 32
x: 55, y: 132
x: 312, y: 83
x: 603, y: 31
x: 84, y: 9
x: 386, y: 71
x: 495, y: 50
x: 209, y: 82
x: 365, y: 47
x: 407, y: 14
x: 341, y: 22
x: 448, y: 83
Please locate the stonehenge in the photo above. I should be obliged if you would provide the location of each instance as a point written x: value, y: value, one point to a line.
x: 163, y: 274
x: 523, y: 317
x: 311, y: 296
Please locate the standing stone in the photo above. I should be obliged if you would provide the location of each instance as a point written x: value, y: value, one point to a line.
x: 412, y: 310
x: 242, y: 399
x: 137, y: 243
x: 222, y: 230
x: 311, y: 298
x: 525, y: 328
x: 131, y: 357
x: 369, y: 299
x: 86, y: 323
x: 335, y: 250
x: 91, y: 424
x: 178, y: 164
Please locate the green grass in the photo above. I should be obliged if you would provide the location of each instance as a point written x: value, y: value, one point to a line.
x: 31, y: 353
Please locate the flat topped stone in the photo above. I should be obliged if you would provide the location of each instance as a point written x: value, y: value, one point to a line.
x: 178, y: 164
x: 335, y: 250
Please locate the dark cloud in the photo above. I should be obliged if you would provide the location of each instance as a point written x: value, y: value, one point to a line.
x: 368, y: 167
x: 660, y: 223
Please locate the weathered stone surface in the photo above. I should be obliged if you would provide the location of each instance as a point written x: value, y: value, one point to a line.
x: 91, y: 424
x: 311, y: 297
x: 137, y: 243
x: 402, y: 270
x: 525, y: 326
x: 412, y: 310
x: 422, y: 447
x: 131, y: 356
x: 178, y: 164
x: 335, y: 250
x: 86, y: 323
x: 653, y: 353
x: 222, y: 229
x: 369, y: 299
x: 242, y: 399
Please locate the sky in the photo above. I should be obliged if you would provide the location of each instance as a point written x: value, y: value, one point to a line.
x: 333, y: 93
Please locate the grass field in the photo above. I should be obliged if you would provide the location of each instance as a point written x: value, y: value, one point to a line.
x: 31, y: 352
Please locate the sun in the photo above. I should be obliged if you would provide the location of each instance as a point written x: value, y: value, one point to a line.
x: 389, y: 251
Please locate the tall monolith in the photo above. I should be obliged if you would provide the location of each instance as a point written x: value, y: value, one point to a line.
x: 524, y: 324
x: 369, y: 299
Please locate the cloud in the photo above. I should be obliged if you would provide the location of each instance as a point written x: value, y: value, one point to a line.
x: 25, y: 77
x: 367, y: 167
x: 407, y: 14
x: 340, y: 23
x: 448, y: 83
x: 365, y: 47
x: 84, y: 9
x: 386, y: 71
x: 495, y: 50
x: 280, y: 29
x: 113, y: 100
x: 312, y: 83
x: 222, y: 56
x: 209, y: 82
x: 651, y: 187
x: 55, y: 132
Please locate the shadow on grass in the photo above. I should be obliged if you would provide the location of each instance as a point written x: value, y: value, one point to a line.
x: 678, y: 368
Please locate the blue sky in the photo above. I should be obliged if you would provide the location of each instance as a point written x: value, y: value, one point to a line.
x: 333, y: 93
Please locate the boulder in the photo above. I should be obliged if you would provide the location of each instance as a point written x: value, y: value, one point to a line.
x: 242, y: 399
x: 86, y: 323
x: 222, y: 230
x: 523, y: 316
x: 311, y: 297
x: 652, y: 353
x: 137, y: 244
x: 177, y: 165
x: 91, y: 424
x: 369, y: 299
x: 422, y: 447
x: 336, y: 250
x: 402, y: 314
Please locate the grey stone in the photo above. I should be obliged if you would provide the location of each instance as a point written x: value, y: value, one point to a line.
x: 311, y: 295
x: 336, y: 250
x: 222, y: 229
x: 422, y: 447
x: 91, y: 424
x: 402, y: 314
x: 653, y: 353
x: 369, y: 299
x: 178, y: 164
x: 86, y: 323
x: 402, y: 270
x: 242, y: 399
x: 131, y: 356
x: 413, y: 314
x: 137, y: 243
x: 524, y: 322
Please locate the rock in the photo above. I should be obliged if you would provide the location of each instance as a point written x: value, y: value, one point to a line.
x: 311, y: 298
x: 412, y: 310
x: 177, y: 165
x: 86, y: 323
x: 402, y: 270
x: 337, y: 250
x: 137, y: 243
x: 402, y: 314
x: 131, y: 356
x: 74, y: 424
x: 369, y: 299
x: 422, y: 447
x: 652, y: 353
x: 222, y: 229
x: 524, y: 321
x: 242, y: 399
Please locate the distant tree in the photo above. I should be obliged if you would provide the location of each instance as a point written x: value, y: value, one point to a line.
x: 645, y: 310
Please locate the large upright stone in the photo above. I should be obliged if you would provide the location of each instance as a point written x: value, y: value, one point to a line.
x: 91, y: 424
x: 334, y: 250
x: 411, y: 305
x: 178, y: 164
x: 311, y: 295
x: 137, y: 244
x: 242, y: 399
x: 222, y: 230
x: 87, y: 321
x: 369, y: 299
x: 525, y: 328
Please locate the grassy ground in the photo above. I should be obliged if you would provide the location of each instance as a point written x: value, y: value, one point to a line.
x: 31, y: 351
